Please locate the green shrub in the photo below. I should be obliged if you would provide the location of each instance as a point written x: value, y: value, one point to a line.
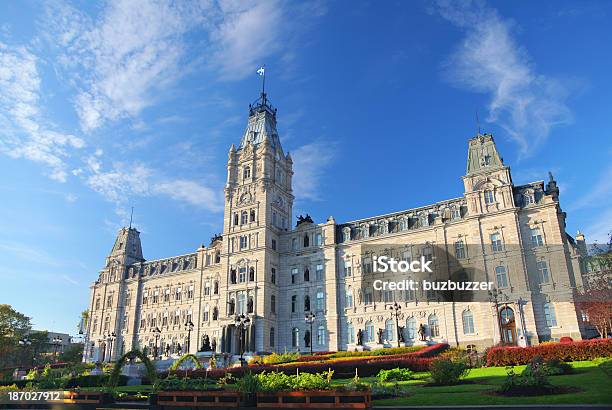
x: 174, y: 383
x: 557, y: 367
x: 532, y: 381
x: 445, y: 372
x: 606, y: 366
x: 248, y: 384
x: 274, y: 381
x: 310, y: 381
x: 385, y: 390
x: 397, y: 374
x: 286, y: 357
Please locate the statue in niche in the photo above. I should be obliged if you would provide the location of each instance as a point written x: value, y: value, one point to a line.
x: 213, y: 345
x: 380, y: 335
x: 359, y: 337
x: 233, y: 275
x: 206, y: 344
x: 422, y: 332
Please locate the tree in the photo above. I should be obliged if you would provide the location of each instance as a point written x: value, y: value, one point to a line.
x: 14, y: 326
x: 595, y: 300
x: 74, y: 354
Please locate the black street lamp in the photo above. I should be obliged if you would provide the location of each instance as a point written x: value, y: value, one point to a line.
x: 242, y: 321
x: 25, y: 343
x: 395, y: 312
x: 189, y: 329
x: 497, y: 297
x: 56, y: 342
x: 156, y: 332
x: 310, y: 318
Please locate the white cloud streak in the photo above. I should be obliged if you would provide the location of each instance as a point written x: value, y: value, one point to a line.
x: 525, y: 103
x: 310, y: 163
x: 25, y: 133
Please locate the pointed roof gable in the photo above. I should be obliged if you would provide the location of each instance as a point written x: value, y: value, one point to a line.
x: 483, y: 155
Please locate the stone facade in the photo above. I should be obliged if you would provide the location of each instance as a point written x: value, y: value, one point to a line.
x: 274, y: 274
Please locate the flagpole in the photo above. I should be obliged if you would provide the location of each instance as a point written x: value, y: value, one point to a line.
x: 263, y: 82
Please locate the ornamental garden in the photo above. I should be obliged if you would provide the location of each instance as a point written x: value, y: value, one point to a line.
x: 565, y: 372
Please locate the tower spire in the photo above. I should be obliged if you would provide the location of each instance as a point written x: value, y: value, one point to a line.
x: 131, y: 215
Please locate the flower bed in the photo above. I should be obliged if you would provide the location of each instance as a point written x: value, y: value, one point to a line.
x: 567, y: 352
x: 368, y: 366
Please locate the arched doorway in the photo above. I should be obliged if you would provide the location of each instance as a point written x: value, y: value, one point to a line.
x: 508, y: 325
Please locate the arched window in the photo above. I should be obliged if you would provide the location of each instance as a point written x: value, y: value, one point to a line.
x: 217, y: 257
x: 215, y: 314
x: 235, y: 219
x: 468, y: 322
x: 351, y: 334
x: 550, y: 314
x: 321, y: 335
x: 369, y: 332
x: 434, y: 328
x: 216, y: 287
x: 306, y: 303
x: 496, y: 242
x: 295, y: 337
x: 271, y: 337
x: 306, y: 241
x: 411, y: 327
x: 306, y: 275
x: 501, y: 276
x: 244, y: 218
x: 390, y: 330
x: 528, y: 199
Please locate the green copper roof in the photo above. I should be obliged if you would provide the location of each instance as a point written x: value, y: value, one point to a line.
x: 482, y: 154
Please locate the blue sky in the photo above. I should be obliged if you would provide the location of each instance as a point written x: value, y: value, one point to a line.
x: 109, y: 105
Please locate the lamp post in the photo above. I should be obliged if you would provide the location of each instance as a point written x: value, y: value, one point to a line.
x: 497, y: 297
x: 310, y: 318
x: 242, y: 321
x: 111, y: 339
x: 189, y: 329
x: 156, y: 332
x: 25, y: 343
x: 395, y: 312
x: 56, y: 342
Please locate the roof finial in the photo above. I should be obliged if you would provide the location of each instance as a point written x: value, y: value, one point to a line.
x: 262, y: 74
x: 477, y: 122
x: 131, y: 215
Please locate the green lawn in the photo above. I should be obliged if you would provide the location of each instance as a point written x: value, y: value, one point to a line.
x: 594, y: 382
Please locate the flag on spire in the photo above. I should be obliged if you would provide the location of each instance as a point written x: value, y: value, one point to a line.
x: 261, y: 71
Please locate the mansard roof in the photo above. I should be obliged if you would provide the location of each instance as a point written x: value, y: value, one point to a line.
x: 261, y: 124
x: 483, y: 154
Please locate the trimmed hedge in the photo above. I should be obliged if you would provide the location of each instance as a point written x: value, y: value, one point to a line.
x: 369, y: 366
x: 566, y: 352
x: 94, y: 380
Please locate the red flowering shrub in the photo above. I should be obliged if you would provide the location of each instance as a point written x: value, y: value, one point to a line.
x: 566, y: 339
x: 566, y: 352
x: 367, y: 366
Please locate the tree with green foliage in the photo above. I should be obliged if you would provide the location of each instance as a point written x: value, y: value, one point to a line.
x: 14, y: 326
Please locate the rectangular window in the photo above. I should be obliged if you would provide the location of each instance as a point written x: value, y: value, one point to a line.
x: 273, y: 244
x: 320, y: 300
x: 459, y: 250
x: 155, y: 296
x: 543, y: 272
x: 109, y: 301
x: 97, y: 303
x: 319, y: 272
x: 536, y: 237
x: 348, y: 269
x: 242, y: 275
x: 167, y: 295
x: 273, y: 304
x: 243, y: 242
x: 177, y: 294
x: 496, y: 242
x: 294, y: 274
x: 207, y: 289
x: 294, y: 244
x: 318, y: 239
x: 502, y: 277
x: 273, y: 275
x: 190, y: 292
x: 489, y: 197
x: 145, y: 297
x: 294, y: 303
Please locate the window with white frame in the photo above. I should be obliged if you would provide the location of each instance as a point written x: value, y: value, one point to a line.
x: 348, y: 300
x: 434, y: 327
x: 496, y: 242
x: 242, y: 274
x: 369, y: 331
x: 543, y: 273
x: 294, y: 275
x: 321, y: 335
x: 295, y: 337
x: 536, y: 237
x: 502, y: 276
x: 468, y: 322
x: 351, y: 333
x: 550, y: 314
x: 319, y: 272
x: 528, y: 199
x: 390, y: 330
x: 246, y: 172
x: 411, y: 328
x: 459, y: 249
x: 320, y: 300
x: 243, y: 242
x: 318, y: 239
x: 190, y: 292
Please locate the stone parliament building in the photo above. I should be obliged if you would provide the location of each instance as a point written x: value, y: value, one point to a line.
x: 273, y: 273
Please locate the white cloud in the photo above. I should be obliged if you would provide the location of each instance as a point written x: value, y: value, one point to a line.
x: 125, y: 181
x: 525, y: 103
x: 25, y: 133
x: 599, y: 195
x: 310, y: 163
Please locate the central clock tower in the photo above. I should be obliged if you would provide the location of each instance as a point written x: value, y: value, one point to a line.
x: 258, y: 209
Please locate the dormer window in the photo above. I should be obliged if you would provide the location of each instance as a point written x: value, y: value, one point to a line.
x: 487, y: 160
x: 528, y: 199
x: 489, y: 197
x: 246, y: 172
